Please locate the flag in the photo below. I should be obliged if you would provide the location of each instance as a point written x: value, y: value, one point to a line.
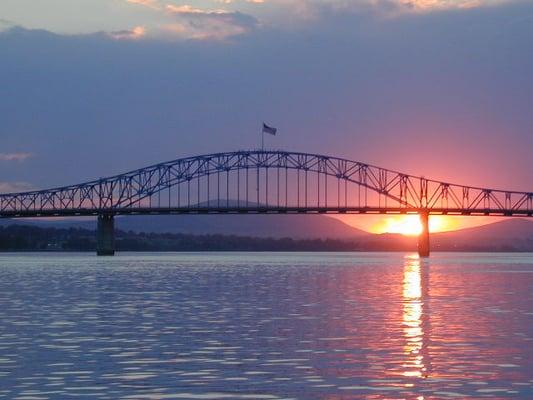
x: 269, y: 129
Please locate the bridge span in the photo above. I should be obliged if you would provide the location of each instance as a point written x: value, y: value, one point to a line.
x: 262, y: 182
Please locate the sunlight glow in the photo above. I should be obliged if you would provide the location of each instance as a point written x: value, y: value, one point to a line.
x: 392, y: 223
x: 410, y: 225
x: 406, y: 225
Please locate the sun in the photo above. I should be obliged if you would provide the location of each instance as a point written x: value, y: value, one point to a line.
x: 410, y: 225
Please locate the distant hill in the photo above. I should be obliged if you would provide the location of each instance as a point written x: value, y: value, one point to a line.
x: 276, y: 226
x: 508, y: 235
x: 511, y: 234
x: 510, y: 228
x: 256, y: 225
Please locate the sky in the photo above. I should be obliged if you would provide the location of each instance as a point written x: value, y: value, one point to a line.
x: 439, y: 88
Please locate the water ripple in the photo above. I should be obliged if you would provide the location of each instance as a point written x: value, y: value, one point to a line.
x: 266, y: 326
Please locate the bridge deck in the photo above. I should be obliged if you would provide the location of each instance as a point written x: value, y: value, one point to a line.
x: 259, y: 210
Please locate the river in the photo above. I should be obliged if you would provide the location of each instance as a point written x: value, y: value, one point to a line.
x: 266, y: 326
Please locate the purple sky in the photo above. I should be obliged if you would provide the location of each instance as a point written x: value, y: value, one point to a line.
x: 442, y: 89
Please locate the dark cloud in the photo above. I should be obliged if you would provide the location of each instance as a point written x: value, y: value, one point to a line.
x: 446, y: 94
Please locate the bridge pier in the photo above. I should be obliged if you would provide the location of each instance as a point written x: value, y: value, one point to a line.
x: 105, y: 235
x: 423, y: 238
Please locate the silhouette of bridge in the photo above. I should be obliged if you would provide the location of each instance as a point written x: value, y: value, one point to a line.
x: 262, y: 182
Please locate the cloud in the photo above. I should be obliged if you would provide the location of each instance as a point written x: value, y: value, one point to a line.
x: 15, y: 156
x: 289, y: 12
x: 153, y: 4
x: 246, y: 1
x: 190, y: 22
x: 436, y: 5
x: 14, y: 187
x: 186, y: 21
x: 135, y: 33
x: 200, y: 24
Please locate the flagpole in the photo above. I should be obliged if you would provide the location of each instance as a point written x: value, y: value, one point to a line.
x: 262, y: 140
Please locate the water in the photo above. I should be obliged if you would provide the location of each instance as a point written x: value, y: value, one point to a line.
x: 266, y: 326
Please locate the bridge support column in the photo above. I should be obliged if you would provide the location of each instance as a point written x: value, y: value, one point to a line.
x: 105, y: 235
x: 423, y: 238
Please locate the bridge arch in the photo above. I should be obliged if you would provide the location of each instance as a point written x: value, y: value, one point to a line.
x: 260, y: 163
x: 384, y: 190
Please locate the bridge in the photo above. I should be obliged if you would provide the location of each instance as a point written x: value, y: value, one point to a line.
x: 262, y: 182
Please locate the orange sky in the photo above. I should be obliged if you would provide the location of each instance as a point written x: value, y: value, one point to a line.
x: 410, y: 224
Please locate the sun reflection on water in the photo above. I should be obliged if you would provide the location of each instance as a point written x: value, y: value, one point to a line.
x: 413, y: 319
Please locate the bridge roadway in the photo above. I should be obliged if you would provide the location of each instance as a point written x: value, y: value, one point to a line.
x: 84, y: 212
x: 262, y: 182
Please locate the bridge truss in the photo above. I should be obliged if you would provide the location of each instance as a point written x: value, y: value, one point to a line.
x: 264, y: 182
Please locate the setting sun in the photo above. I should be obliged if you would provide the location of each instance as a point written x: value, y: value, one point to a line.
x: 405, y: 224
x: 410, y: 225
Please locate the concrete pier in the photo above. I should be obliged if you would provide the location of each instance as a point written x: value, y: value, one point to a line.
x: 105, y: 235
x: 423, y: 238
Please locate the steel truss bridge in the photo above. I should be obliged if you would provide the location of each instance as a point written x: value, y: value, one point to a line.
x: 262, y: 181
